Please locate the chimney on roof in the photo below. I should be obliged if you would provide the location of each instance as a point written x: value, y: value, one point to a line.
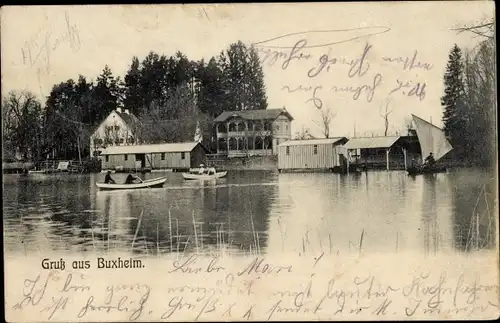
x: 119, y: 110
x: 126, y: 111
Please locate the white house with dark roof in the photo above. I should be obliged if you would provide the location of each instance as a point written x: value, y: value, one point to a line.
x: 252, y: 132
x: 118, y: 129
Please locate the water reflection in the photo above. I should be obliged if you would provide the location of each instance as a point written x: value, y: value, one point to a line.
x: 334, y: 213
x: 188, y: 215
x: 251, y: 211
x: 436, y: 215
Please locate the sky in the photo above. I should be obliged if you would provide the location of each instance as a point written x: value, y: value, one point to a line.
x: 353, y: 60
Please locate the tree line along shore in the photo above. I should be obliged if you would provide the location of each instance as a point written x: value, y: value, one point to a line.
x: 171, y: 95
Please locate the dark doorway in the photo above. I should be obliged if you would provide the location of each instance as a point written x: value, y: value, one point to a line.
x: 142, y: 158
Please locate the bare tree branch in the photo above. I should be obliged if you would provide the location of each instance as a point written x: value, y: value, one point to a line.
x: 484, y: 29
x: 326, y: 118
x: 385, y: 115
x: 304, y: 134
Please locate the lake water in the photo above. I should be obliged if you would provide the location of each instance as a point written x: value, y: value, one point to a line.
x: 254, y: 212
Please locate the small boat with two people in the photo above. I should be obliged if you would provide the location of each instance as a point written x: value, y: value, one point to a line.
x: 132, y: 182
x: 203, y: 173
x: 433, y: 145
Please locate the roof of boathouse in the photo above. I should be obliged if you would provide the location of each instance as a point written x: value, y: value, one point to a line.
x: 265, y: 114
x: 154, y: 148
x: 371, y: 142
x: 322, y: 141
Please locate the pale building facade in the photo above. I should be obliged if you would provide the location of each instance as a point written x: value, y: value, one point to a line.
x: 252, y: 132
x: 118, y: 129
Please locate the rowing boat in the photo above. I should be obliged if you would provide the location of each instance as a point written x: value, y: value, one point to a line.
x: 432, y: 140
x: 204, y: 176
x: 150, y: 183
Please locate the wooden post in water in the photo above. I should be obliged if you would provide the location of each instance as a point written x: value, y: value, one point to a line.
x: 347, y: 155
x: 404, y: 156
x: 387, y: 157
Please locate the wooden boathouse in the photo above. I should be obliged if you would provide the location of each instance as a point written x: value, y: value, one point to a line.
x: 390, y: 153
x: 311, y: 154
x: 170, y: 156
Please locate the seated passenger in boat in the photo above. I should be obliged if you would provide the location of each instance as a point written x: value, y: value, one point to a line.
x: 211, y: 171
x: 430, y: 161
x: 131, y: 178
x: 108, y: 179
x: 201, y: 170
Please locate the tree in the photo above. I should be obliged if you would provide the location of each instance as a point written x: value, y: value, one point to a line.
x: 211, y: 94
x: 384, y: 114
x: 304, y: 134
x: 480, y: 102
x: 71, y: 111
x: 453, y: 99
x: 410, y: 130
x: 174, y: 122
x: 484, y: 29
x: 21, y: 124
x: 60, y: 109
x: 243, y: 78
x: 133, y: 96
x: 180, y: 102
x: 470, y: 98
x: 257, y: 88
x: 107, y: 94
x: 326, y: 117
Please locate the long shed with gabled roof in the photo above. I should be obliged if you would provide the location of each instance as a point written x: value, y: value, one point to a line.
x: 175, y: 156
x: 311, y: 154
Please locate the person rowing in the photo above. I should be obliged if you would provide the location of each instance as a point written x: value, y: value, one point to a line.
x: 429, y: 161
x: 108, y: 179
x: 131, y: 178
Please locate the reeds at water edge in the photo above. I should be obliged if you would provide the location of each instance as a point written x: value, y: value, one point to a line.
x: 177, y: 234
x: 195, y: 234
x: 92, y: 232
x: 312, y: 240
x: 157, y: 239
x: 137, y: 229
x: 473, y: 234
x: 170, y: 226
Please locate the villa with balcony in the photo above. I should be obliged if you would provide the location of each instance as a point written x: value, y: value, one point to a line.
x: 252, y: 132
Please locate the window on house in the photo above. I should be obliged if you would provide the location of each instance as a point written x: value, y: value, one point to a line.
x: 107, y: 158
x: 288, y: 150
x: 183, y: 155
x: 315, y: 149
x: 126, y: 157
x: 162, y: 156
x: 286, y: 127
